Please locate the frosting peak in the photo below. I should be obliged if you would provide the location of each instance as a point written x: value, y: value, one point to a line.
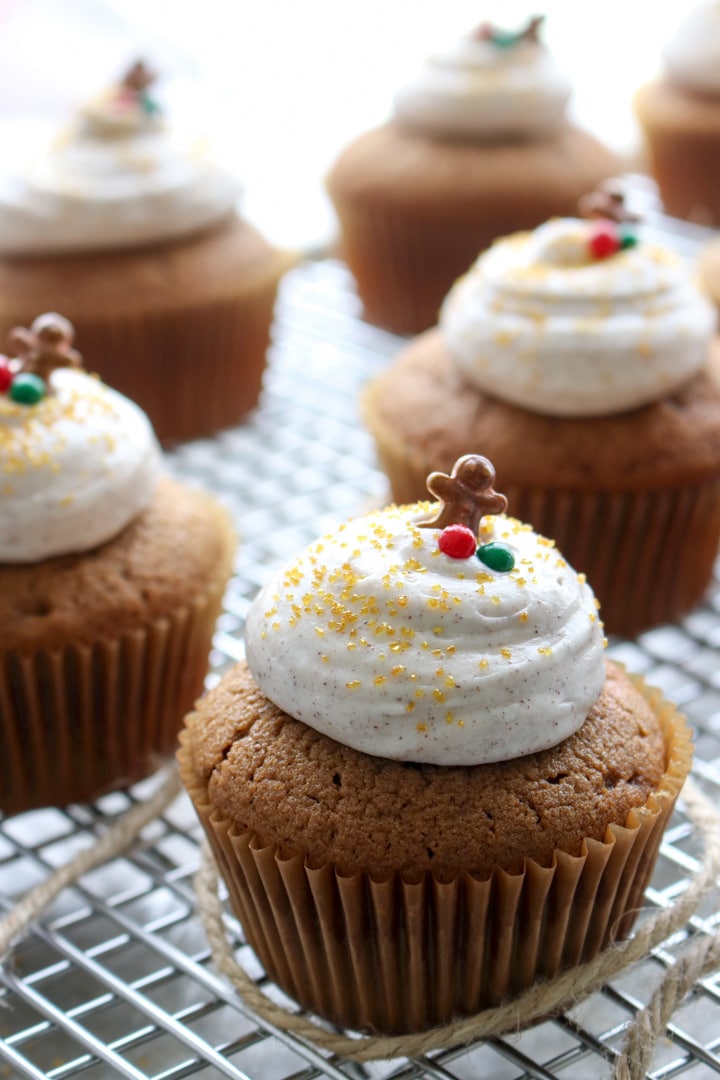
x: 392, y: 643
x: 489, y: 85
x: 78, y: 461
x: 547, y: 321
x: 123, y: 175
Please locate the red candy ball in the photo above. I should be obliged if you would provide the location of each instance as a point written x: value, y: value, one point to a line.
x: 457, y: 541
x: 604, y: 239
x: 6, y: 375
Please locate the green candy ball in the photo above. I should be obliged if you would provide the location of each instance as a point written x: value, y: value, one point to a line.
x: 496, y: 557
x: 504, y: 39
x: 627, y: 239
x: 27, y: 389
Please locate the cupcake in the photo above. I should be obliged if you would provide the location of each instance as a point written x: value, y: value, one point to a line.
x: 478, y: 146
x: 583, y: 362
x: 111, y: 578
x: 679, y: 113
x: 425, y: 789
x: 127, y: 222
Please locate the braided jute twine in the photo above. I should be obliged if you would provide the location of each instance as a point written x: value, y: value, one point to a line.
x: 119, y: 836
x: 555, y: 995
x: 558, y: 994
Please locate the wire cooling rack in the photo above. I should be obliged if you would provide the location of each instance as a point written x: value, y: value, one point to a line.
x: 116, y: 979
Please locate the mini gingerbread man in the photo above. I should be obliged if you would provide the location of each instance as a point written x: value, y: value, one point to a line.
x: 531, y: 33
x: 138, y: 77
x: 607, y: 201
x: 467, y: 494
x: 47, y: 345
x: 508, y: 38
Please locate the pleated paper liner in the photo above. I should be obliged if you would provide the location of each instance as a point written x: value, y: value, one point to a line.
x: 682, y: 143
x: 198, y: 369
x: 403, y: 266
x: 181, y: 329
x: 648, y: 555
x: 78, y: 721
x: 194, y: 372
x: 411, y: 951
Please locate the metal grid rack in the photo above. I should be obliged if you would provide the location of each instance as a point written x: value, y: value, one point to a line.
x: 116, y: 979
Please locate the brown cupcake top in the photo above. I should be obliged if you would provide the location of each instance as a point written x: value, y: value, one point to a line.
x: 427, y: 405
x: 306, y: 793
x: 166, y: 558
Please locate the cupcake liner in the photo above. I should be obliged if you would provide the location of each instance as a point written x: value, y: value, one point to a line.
x: 195, y: 370
x: 410, y: 951
x: 681, y: 132
x: 214, y: 358
x: 415, y: 212
x: 404, y: 266
x: 649, y: 555
x: 686, y: 166
x: 180, y: 328
x: 77, y: 721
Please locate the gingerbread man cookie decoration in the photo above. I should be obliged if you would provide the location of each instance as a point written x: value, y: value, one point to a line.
x: 47, y: 345
x: 506, y: 39
x: 607, y: 202
x: 138, y: 77
x: 467, y: 494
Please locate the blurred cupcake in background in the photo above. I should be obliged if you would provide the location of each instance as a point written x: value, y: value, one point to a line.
x: 479, y: 145
x: 111, y: 578
x: 679, y: 113
x: 582, y: 359
x: 128, y: 222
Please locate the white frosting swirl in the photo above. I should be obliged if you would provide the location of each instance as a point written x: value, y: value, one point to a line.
x: 378, y: 639
x: 75, y: 469
x: 692, y: 56
x: 538, y: 323
x: 82, y: 192
x: 479, y: 91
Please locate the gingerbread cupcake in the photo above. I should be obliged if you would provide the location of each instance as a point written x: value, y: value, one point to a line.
x: 128, y: 223
x: 679, y: 113
x: 478, y: 146
x: 581, y: 358
x: 426, y: 790
x: 111, y: 578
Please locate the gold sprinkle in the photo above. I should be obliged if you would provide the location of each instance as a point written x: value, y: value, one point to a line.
x: 353, y: 685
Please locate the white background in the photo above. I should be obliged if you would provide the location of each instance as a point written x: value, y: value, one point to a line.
x: 289, y: 82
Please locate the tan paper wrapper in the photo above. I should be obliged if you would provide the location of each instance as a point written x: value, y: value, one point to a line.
x: 410, y: 952
x: 682, y: 146
x: 404, y: 267
x: 649, y: 555
x: 76, y: 722
x: 211, y: 365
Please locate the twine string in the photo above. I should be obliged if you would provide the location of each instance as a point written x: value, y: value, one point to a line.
x: 118, y: 837
x: 557, y: 994
x: 699, y: 960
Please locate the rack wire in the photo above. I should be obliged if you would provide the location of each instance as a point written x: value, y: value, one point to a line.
x: 116, y: 980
